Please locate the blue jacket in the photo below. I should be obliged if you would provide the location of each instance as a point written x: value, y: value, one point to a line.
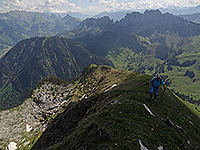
x: 156, y: 83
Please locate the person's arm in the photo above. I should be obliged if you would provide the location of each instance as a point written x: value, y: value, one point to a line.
x: 163, y: 83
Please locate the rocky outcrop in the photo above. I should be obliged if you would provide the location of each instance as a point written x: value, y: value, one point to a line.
x: 25, y: 123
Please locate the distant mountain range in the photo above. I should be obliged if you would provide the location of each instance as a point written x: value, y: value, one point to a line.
x: 18, y: 25
x: 155, y: 22
x: 79, y: 15
x: 118, y: 15
x: 193, y: 17
x: 181, y: 11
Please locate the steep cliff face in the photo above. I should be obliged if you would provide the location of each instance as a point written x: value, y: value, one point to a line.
x: 115, y: 112
x: 32, y: 59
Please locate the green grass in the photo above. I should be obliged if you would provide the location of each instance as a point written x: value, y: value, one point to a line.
x: 127, y: 59
x: 195, y: 42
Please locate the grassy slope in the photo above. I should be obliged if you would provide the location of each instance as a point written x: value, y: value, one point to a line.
x: 117, y: 119
x: 126, y: 59
x: 189, y: 54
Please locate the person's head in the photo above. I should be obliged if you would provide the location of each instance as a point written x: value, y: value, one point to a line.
x: 157, y: 78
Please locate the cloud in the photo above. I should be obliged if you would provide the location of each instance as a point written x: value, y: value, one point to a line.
x: 38, y: 5
x: 90, y: 5
x: 146, y: 4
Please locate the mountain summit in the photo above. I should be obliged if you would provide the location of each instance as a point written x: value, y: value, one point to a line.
x: 32, y: 59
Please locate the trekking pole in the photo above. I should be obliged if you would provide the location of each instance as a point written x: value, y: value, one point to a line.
x: 163, y: 92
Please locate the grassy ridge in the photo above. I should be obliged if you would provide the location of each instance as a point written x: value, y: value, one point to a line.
x: 117, y: 119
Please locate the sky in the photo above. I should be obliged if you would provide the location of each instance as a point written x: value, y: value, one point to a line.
x: 91, y: 6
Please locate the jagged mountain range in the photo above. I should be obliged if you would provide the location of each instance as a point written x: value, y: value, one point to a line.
x: 104, y: 109
x: 18, y: 25
x: 154, y: 21
x: 144, y: 24
x: 32, y: 59
x: 118, y: 15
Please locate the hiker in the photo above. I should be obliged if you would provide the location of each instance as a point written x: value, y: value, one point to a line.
x: 155, y: 84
